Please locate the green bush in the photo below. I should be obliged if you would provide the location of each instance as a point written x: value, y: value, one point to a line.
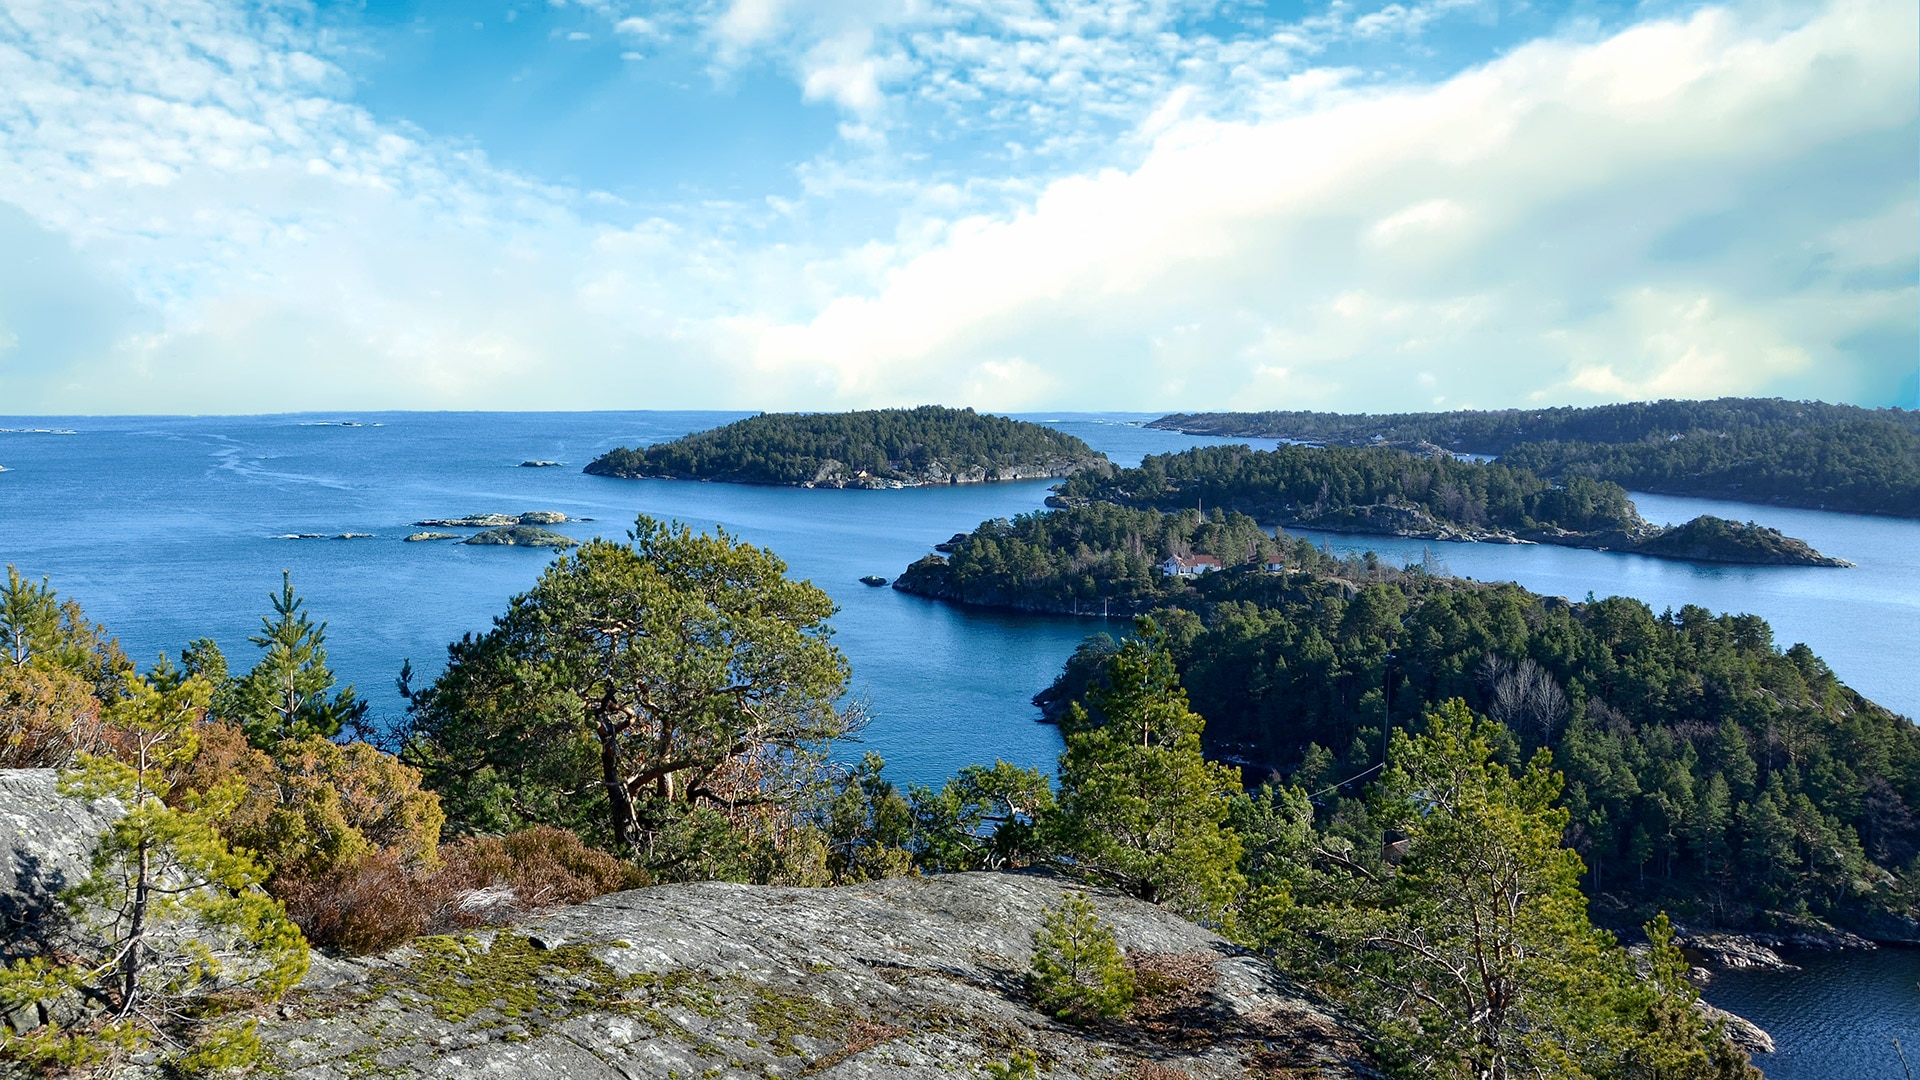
x: 1079, y: 973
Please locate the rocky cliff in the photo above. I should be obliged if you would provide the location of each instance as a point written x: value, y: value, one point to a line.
x: 45, y: 841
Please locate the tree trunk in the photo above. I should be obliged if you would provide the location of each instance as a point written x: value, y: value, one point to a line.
x: 136, y: 933
x: 619, y: 803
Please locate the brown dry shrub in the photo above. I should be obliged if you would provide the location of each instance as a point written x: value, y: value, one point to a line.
x: 1159, y: 974
x: 385, y: 899
x: 1153, y: 1070
x: 47, y: 717
x: 490, y: 879
x: 366, y: 909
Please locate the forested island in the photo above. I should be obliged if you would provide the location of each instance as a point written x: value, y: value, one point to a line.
x: 1761, y: 450
x: 880, y: 448
x: 1709, y: 773
x: 1435, y: 496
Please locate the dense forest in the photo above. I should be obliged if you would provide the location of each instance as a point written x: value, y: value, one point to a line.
x: 1381, y: 490
x: 1308, y: 485
x: 1097, y: 558
x: 1792, y: 453
x: 1708, y: 771
x: 876, y: 448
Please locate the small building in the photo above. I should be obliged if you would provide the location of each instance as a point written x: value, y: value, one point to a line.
x: 1275, y: 566
x: 1189, y: 565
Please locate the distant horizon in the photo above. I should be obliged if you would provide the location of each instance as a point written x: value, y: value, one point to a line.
x: 1074, y: 411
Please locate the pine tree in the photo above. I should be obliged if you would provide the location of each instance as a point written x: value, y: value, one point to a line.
x: 1139, y: 805
x: 289, y: 694
x: 167, y: 914
x: 1079, y: 973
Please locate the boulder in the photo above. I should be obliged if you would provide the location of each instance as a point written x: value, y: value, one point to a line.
x: 46, y: 840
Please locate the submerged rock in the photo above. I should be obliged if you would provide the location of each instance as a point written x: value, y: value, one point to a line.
x: 471, y: 521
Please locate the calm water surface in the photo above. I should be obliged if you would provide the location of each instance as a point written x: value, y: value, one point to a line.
x: 1835, y: 1020
x: 166, y: 529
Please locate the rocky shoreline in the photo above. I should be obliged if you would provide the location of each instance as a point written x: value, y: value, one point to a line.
x: 837, y: 475
x: 1704, y: 539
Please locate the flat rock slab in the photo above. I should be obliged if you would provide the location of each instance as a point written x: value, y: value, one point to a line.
x: 912, y: 978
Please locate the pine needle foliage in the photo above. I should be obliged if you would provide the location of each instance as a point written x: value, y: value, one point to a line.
x: 290, y: 692
x: 168, y: 924
x: 1140, y: 807
x: 1079, y: 973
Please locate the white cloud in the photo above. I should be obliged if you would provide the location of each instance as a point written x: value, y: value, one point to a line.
x: 1720, y: 203
x: 1460, y: 227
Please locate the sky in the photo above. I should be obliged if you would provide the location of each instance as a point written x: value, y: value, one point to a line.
x: 210, y: 206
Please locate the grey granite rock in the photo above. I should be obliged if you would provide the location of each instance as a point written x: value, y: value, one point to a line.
x: 908, y: 978
x: 46, y: 840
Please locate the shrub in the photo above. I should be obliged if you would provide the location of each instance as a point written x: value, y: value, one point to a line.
x: 1079, y: 973
x: 370, y: 907
x: 487, y: 879
x: 382, y: 901
x: 47, y: 718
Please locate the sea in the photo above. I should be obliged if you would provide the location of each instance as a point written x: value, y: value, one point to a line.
x: 170, y: 528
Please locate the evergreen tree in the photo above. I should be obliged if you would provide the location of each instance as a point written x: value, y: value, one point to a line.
x: 290, y: 692
x: 1079, y: 973
x: 41, y: 631
x: 1139, y: 805
x: 1467, y: 948
x: 167, y: 916
x: 634, y: 686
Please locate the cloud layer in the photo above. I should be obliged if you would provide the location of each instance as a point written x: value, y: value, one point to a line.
x: 199, y: 218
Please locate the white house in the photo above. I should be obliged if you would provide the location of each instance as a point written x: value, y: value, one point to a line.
x: 1189, y: 565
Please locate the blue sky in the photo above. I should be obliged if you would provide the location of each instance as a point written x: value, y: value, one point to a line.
x: 208, y: 206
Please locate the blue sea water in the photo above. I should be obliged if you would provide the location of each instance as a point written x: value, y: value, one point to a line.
x: 171, y: 528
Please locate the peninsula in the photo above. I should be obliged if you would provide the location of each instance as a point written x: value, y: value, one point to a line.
x: 1427, y: 496
x: 1761, y: 450
x: 880, y: 448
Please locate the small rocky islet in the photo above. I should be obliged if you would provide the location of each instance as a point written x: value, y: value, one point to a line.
x: 499, y: 530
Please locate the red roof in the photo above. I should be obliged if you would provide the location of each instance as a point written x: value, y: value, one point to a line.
x: 1196, y: 560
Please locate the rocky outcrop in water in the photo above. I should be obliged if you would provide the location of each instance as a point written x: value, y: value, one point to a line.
x: 522, y: 536
x: 495, y: 521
